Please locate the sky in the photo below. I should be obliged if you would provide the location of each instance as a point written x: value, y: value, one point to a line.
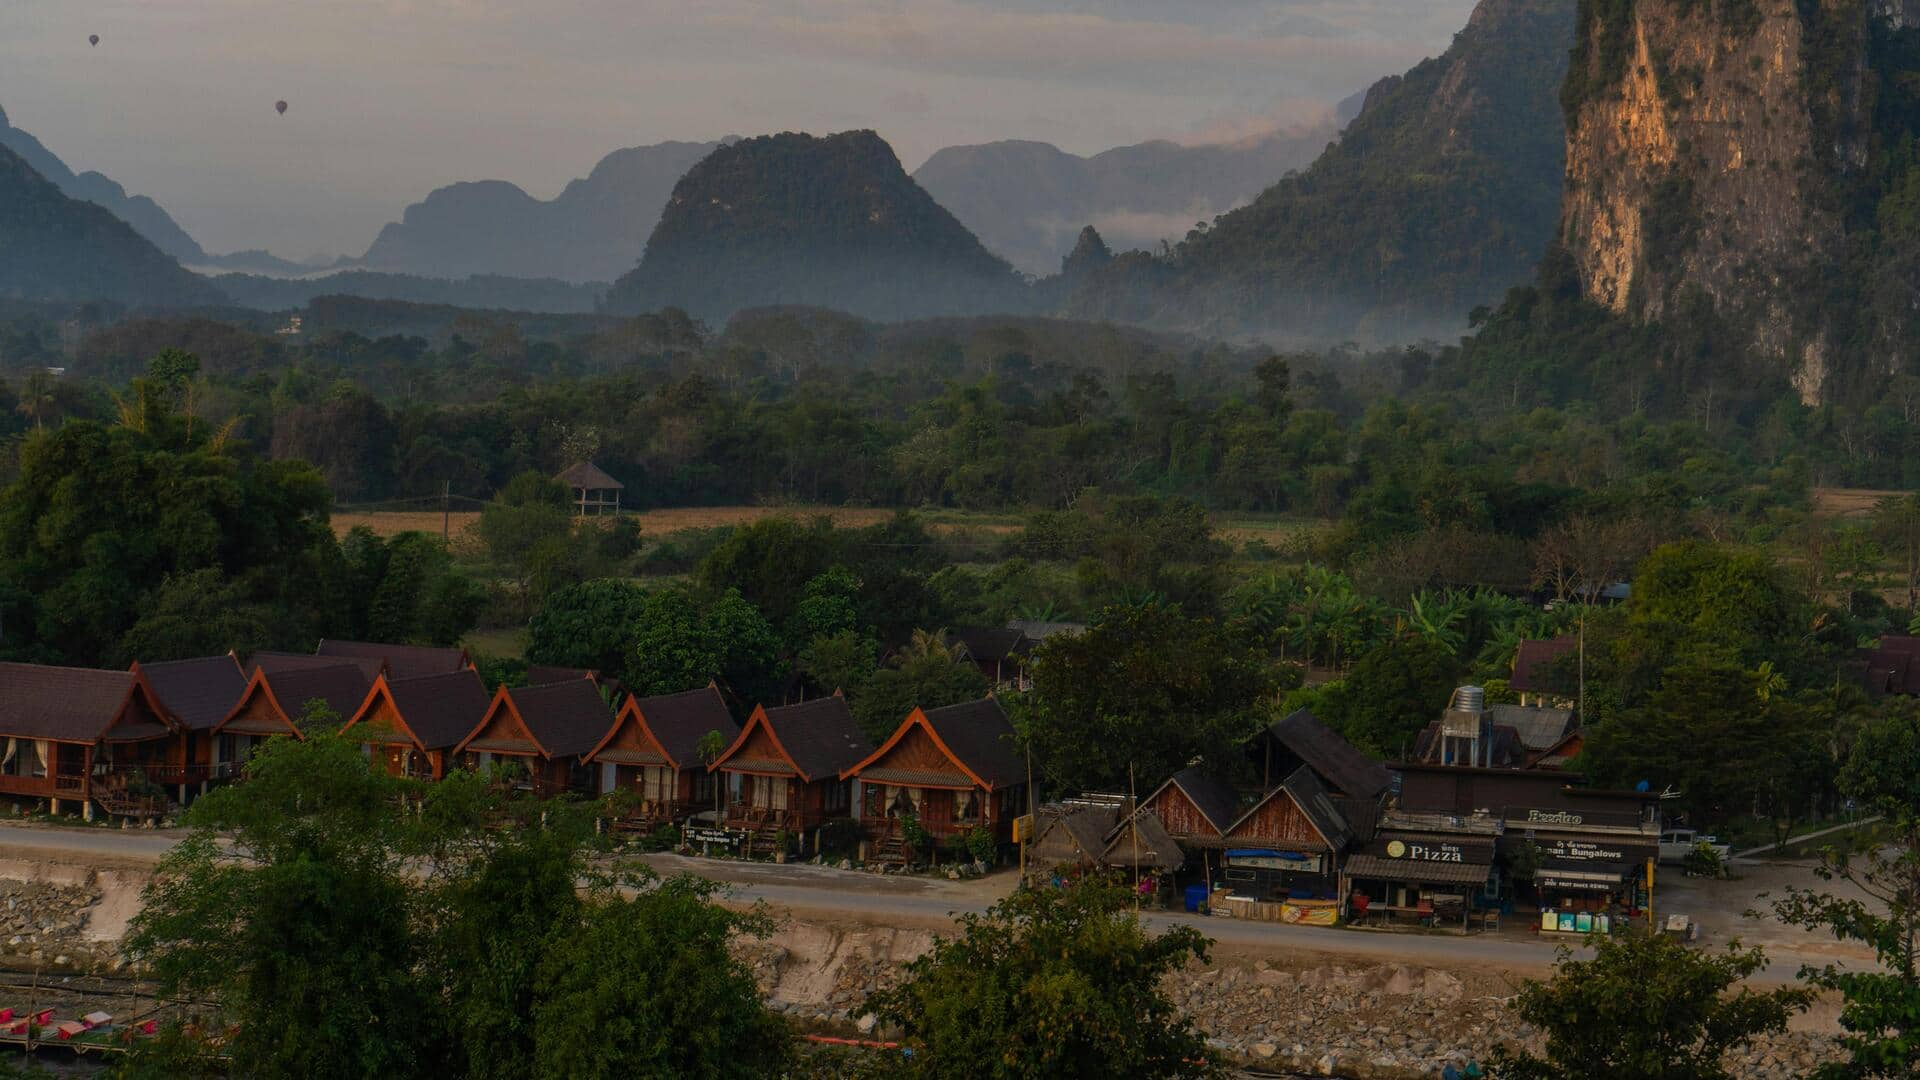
x: 389, y: 99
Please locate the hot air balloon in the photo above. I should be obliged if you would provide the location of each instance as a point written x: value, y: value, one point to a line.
x: 280, y: 107
x: 93, y: 39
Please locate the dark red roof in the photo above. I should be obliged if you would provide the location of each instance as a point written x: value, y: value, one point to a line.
x: 403, y: 661
x: 1530, y: 664
x: 198, y: 693
x: 679, y: 721
x: 275, y: 662
x: 542, y: 674
x: 1336, y: 761
x: 820, y: 736
x: 1893, y: 666
x: 566, y: 718
x: 63, y: 704
x: 981, y: 736
x: 343, y: 687
x: 441, y: 709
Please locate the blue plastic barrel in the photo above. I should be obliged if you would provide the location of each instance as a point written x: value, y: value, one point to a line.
x: 1196, y: 898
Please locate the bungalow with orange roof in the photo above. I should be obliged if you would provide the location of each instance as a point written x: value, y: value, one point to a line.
x: 545, y: 729
x: 275, y: 703
x: 783, y: 772
x: 58, y: 723
x: 410, y: 726
x: 954, y: 769
x: 194, y: 696
x: 653, y: 750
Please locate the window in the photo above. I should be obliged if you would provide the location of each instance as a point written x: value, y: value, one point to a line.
x: 703, y: 787
x: 839, y: 795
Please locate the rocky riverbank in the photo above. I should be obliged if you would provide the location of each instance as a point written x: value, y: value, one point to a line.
x: 1312, y: 1016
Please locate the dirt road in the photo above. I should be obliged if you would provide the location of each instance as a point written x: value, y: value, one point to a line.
x: 826, y: 894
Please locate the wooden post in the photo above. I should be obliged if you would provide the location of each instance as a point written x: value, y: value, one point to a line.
x: 446, y: 510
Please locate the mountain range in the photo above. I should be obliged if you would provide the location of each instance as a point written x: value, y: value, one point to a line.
x: 1027, y: 201
x: 57, y: 247
x: 1442, y: 194
x: 829, y: 221
x: 594, y: 230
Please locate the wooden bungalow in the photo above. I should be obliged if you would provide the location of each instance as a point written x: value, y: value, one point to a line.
x: 954, y: 769
x: 997, y: 652
x: 1196, y: 807
x: 1291, y: 841
x: 410, y: 726
x: 274, y: 704
x: 653, y: 750
x: 194, y: 696
x: 399, y: 661
x: 785, y: 770
x: 1533, y: 669
x: 545, y: 729
x: 79, y: 734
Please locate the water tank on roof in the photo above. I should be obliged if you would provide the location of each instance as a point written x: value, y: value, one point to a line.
x: 1469, y: 699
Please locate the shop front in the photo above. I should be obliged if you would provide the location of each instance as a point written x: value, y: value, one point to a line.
x: 1433, y: 878
x: 1583, y: 863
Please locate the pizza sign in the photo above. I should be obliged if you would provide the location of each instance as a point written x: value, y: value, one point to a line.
x: 1399, y: 849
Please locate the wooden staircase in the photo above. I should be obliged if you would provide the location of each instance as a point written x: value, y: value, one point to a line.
x: 889, y: 848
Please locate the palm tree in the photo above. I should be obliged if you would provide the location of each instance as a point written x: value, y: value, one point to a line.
x: 37, y: 400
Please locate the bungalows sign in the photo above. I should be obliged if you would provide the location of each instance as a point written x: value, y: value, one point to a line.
x: 1418, y: 852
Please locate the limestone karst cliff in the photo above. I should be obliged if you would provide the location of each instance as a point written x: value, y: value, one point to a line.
x: 1743, y: 155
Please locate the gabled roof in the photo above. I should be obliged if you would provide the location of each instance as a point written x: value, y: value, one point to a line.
x: 1337, y: 761
x: 1147, y: 836
x: 817, y: 738
x: 676, y: 723
x: 72, y: 705
x: 585, y: 474
x: 1213, y: 797
x: 195, y: 694
x: 273, y: 662
x: 985, y: 644
x: 1536, y: 728
x: 342, y: 686
x: 1306, y: 791
x: 565, y: 719
x: 542, y: 674
x: 435, y: 711
x: 1531, y: 662
x: 1038, y: 630
x: 975, y: 735
x: 402, y: 661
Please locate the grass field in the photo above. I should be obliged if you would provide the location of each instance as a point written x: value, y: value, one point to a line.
x: 1235, y: 528
x: 1847, y: 502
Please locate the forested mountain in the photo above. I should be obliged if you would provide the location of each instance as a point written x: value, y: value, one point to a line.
x: 831, y: 222
x: 55, y: 247
x: 594, y: 230
x: 1027, y: 201
x: 1440, y: 195
x: 145, y: 215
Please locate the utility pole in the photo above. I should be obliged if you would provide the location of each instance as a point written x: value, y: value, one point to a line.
x: 446, y: 510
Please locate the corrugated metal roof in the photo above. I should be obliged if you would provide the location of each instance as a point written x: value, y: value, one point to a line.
x: 1377, y: 868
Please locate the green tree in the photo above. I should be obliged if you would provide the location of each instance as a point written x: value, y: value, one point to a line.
x: 1645, y: 1006
x: 1102, y: 700
x: 526, y: 523
x: 100, y: 518
x: 593, y: 625
x: 1049, y: 982
x: 1880, y: 908
x: 771, y: 563
x: 928, y: 673
x: 1393, y: 691
x: 1697, y: 596
x: 300, y: 927
x: 420, y: 598
x: 683, y: 642
x: 842, y: 661
x: 647, y: 987
x: 198, y: 613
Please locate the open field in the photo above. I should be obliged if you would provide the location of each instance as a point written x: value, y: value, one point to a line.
x: 1235, y: 528
x: 1847, y: 502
